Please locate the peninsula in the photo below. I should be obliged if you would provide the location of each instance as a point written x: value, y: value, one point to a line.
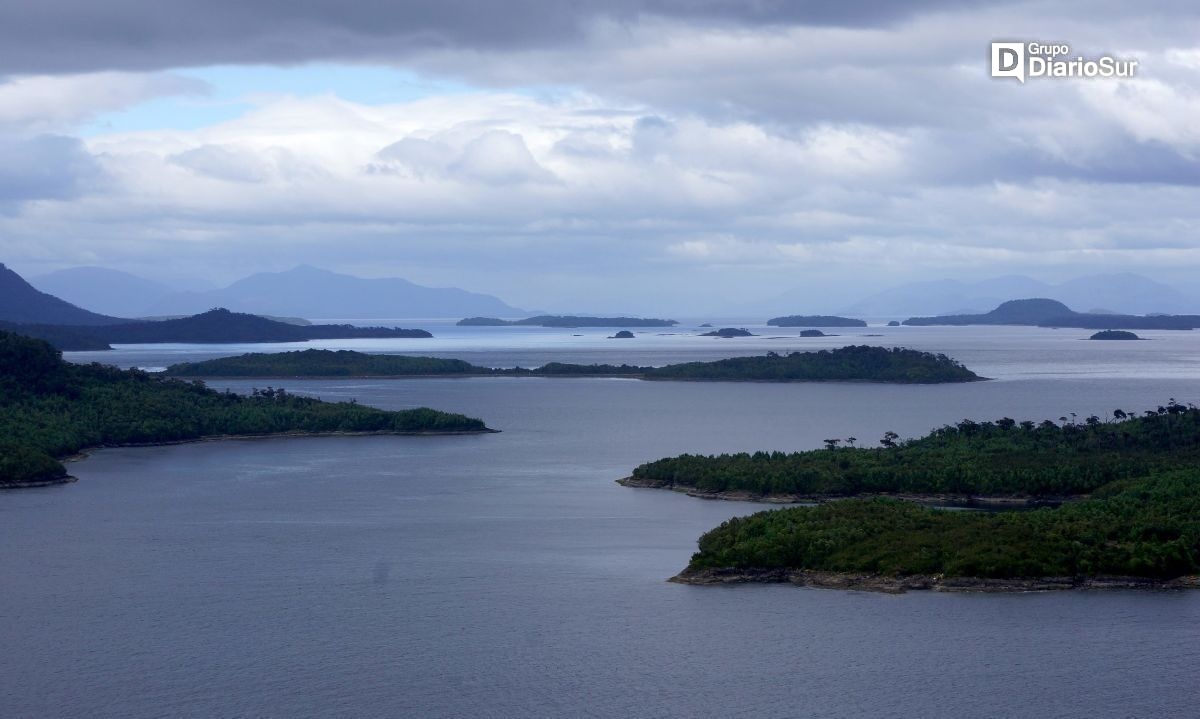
x: 852, y: 363
x: 51, y: 409
x: 1131, y: 515
x: 566, y: 321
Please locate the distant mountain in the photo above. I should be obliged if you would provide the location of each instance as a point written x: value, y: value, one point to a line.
x: 67, y: 339
x: 109, y: 291
x: 566, y: 321
x: 20, y: 302
x: 1043, y: 312
x: 311, y: 292
x: 1123, y: 292
x: 1014, y: 312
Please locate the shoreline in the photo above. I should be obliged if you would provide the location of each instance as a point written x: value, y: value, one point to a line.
x: 928, y: 500
x: 85, y: 452
x: 534, y: 375
x: 937, y: 583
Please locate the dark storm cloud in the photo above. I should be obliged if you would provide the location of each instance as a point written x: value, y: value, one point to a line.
x: 56, y: 36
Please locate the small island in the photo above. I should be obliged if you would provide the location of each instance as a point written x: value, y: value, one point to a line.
x: 813, y: 333
x: 1114, y: 335
x: 567, y: 321
x: 893, y: 323
x: 622, y: 335
x: 1122, y: 507
x: 728, y: 332
x: 857, y: 363
x: 51, y: 409
x: 815, y: 321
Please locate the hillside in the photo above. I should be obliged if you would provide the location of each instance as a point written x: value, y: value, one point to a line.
x: 21, y: 303
x: 50, y: 408
x: 311, y: 292
x: 111, y: 292
x: 855, y: 363
x: 1042, y: 312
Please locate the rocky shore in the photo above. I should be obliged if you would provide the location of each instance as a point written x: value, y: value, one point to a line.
x: 929, y: 500
x: 937, y: 583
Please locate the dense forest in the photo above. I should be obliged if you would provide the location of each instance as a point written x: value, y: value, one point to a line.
x: 1146, y: 527
x: 854, y: 363
x: 1140, y: 516
x: 1000, y: 458
x: 50, y: 408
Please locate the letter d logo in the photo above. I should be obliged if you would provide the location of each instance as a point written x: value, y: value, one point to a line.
x: 1008, y: 60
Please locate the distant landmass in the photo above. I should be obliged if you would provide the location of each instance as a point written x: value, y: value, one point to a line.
x: 1124, y: 292
x: 567, y: 321
x: 311, y: 292
x: 815, y: 321
x: 728, y: 332
x: 21, y: 303
x: 853, y: 363
x: 214, y: 326
x: 1120, y: 335
x: 1042, y: 312
x: 111, y: 292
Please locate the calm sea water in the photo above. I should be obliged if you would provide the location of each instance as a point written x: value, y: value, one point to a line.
x: 507, y: 575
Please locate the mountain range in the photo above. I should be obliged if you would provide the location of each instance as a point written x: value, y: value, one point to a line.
x: 301, y: 291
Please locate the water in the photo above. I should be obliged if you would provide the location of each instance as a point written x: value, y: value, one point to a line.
x: 507, y: 575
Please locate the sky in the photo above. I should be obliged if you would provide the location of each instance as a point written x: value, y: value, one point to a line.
x: 619, y: 155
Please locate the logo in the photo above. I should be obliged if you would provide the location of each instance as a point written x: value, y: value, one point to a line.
x: 1036, y: 60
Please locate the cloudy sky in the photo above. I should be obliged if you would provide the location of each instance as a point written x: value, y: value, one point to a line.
x: 654, y: 155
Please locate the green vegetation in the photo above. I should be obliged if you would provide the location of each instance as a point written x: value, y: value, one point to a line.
x: 815, y: 321
x: 1141, y: 517
x: 860, y: 363
x: 50, y: 408
x: 857, y: 363
x: 992, y: 459
x: 1149, y: 527
x: 1114, y: 335
x: 568, y: 321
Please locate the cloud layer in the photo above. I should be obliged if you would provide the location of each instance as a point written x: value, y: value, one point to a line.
x: 613, y: 152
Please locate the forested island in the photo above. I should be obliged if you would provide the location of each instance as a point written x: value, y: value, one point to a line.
x: 1119, y: 335
x: 815, y: 321
x: 1134, y: 521
x: 215, y: 326
x: 728, y: 332
x: 853, y: 363
x: 566, y: 321
x: 50, y: 409
x: 1040, y: 312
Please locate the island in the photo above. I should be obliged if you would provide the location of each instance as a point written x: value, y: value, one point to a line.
x: 622, y: 335
x: 1123, y: 496
x: 215, y: 326
x: 728, y: 332
x: 858, y: 363
x: 1041, y: 312
x: 814, y: 333
x: 51, y: 409
x: 815, y: 321
x: 1114, y: 335
x: 893, y: 323
x: 567, y: 321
